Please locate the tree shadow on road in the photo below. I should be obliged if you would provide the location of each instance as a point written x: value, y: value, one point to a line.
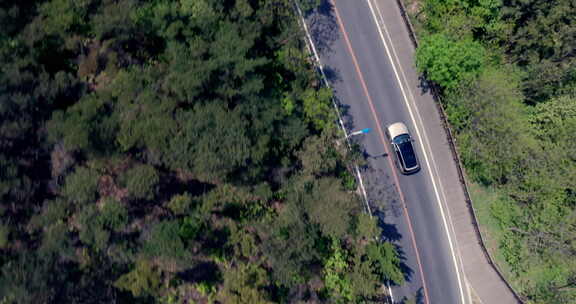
x: 417, y: 299
x: 385, y: 203
x: 323, y: 27
x: 381, y: 190
x: 406, y: 270
x: 325, y: 31
x: 427, y: 87
x: 389, y: 231
x: 332, y: 74
x: 424, y: 85
x: 347, y: 119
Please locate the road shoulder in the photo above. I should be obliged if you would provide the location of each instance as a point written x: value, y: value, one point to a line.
x: 480, y: 274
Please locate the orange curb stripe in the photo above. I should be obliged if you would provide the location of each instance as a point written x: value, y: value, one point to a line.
x: 384, y: 143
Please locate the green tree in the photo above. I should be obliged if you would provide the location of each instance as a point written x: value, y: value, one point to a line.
x: 213, y: 143
x: 81, y: 186
x: 55, y: 241
x: 541, y: 39
x: 197, y: 9
x: 484, y: 113
x: 308, y: 5
x: 63, y: 16
x: 329, y: 206
x: 385, y: 261
x: 243, y: 284
x: 317, y: 156
x: 10, y: 178
x: 144, y: 280
x: 335, y: 268
x: 87, y: 125
x: 53, y: 211
x: 317, y: 105
x: 555, y: 119
x: 180, y: 204
x: 113, y: 215
x: 448, y: 62
x: 464, y: 19
x: 141, y: 181
x: 366, y: 227
x: 92, y: 231
x: 554, y: 123
x: 29, y: 279
x: 146, y: 120
x: 163, y: 241
x: 244, y: 243
x: 365, y: 284
x: 290, y: 244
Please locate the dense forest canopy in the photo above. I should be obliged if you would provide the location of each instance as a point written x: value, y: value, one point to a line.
x: 174, y: 152
x: 507, y: 73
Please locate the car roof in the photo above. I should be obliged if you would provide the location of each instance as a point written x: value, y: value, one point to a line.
x: 396, y: 129
x: 408, y: 155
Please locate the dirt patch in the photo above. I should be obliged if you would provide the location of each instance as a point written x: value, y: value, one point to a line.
x: 413, y: 7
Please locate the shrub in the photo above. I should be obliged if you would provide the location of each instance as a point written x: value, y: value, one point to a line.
x: 144, y: 280
x: 81, y: 186
x: 141, y: 181
x: 113, y: 214
x: 180, y: 204
x: 448, y: 62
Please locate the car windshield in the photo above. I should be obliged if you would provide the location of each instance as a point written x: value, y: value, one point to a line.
x: 407, y: 150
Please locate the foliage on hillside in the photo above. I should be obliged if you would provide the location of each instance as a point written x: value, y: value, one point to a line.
x: 514, y: 113
x: 174, y: 152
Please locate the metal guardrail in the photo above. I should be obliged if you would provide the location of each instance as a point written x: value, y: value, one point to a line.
x: 456, y: 157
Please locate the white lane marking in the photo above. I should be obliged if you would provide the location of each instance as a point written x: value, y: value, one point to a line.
x: 321, y: 67
x: 388, y: 53
x: 383, y: 141
x: 341, y: 123
x: 390, y: 291
x: 435, y: 164
x: 427, y: 141
x: 363, y: 189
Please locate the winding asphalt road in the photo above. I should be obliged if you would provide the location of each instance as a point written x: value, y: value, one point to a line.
x: 361, y: 66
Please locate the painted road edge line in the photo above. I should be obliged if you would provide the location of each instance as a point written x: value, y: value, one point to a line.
x: 384, y: 143
x: 427, y: 142
x: 321, y: 67
x: 425, y: 150
x: 325, y: 79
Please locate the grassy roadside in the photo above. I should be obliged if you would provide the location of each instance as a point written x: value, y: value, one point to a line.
x: 514, y: 124
x: 414, y: 9
x: 483, y: 200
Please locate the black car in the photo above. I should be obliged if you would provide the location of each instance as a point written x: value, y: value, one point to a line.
x: 403, y: 148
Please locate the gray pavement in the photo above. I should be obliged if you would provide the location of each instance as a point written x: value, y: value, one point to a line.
x: 480, y: 274
x: 365, y: 83
x: 368, y: 58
